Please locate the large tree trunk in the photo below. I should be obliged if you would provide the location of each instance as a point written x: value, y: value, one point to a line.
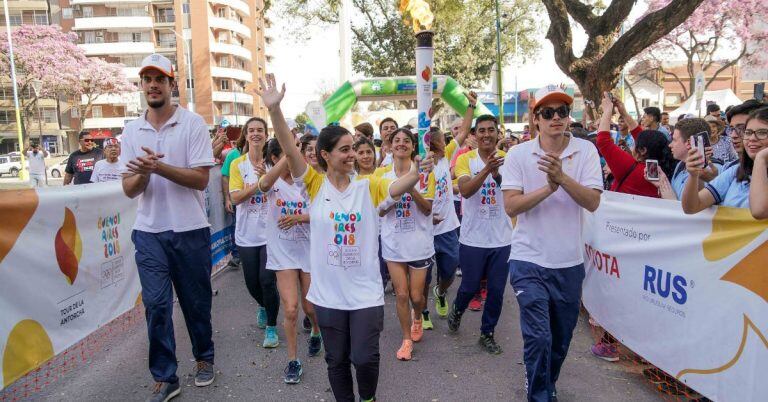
x: 599, y: 68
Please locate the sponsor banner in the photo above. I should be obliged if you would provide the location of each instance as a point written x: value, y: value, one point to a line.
x: 67, y: 266
x: 220, y: 220
x: 687, y: 293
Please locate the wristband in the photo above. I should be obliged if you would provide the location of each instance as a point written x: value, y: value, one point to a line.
x: 471, y: 106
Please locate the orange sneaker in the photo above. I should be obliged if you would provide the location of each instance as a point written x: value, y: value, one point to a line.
x: 417, y: 330
x: 405, y: 351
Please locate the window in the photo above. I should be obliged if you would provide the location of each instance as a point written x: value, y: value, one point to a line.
x: 185, y: 8
x: 224, y: 61
x: 223, y: 37
x: 226, y: 108
x: 88, y: 12
x: 644, y: 103
x: 137, y: 37
x: 74, y: 112
x: 190, y: 83
x: 15, y: 20
x: 48, y: 115
x: 672, y: 99
x: 66, y: 13
x: 7, y: 116
x: 224, y: 85
x: 40, y: 17
x: 96, y: 112
x: 222, y: 13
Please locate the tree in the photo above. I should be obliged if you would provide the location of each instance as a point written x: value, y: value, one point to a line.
x: 90, y: 81
x: 465, y: 35
x: 718, y: 35
x: 41, y: 53
x: 301, y: 120
x: 598, y: 68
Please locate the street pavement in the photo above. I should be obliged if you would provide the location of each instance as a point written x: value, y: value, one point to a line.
x: 446, y: 367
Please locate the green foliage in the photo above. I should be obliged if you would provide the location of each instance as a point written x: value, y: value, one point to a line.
x: 465, y: 35
x: 301, y: 120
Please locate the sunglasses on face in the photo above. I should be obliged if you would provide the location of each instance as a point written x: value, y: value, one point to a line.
x: 547, y: 113
x: 86, y: 140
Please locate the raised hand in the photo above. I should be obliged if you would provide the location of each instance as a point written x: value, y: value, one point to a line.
x: 471, y: 97
x: 269, y: 93
x: 694, y: 164
x: 607, y: 104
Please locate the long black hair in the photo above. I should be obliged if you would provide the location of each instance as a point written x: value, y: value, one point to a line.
x: 656, y: 147
x: 746, y: 163
x: 327, y: 140
x: 272, y: 149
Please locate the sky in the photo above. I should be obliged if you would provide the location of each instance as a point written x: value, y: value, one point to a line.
x: 311, y: 67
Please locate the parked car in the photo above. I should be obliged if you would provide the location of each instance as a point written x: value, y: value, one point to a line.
x: 57, y: 170
x: 10, y: 165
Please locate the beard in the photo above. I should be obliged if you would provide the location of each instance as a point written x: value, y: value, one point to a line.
x: 156, y: 104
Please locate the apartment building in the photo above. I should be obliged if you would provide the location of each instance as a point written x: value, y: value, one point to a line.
x: 44, y: 129
x: 217, y: 47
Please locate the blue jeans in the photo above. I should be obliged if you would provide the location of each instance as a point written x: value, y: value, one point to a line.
x: 181, y: 261
x: 549, y: 302
x: 477, y: 263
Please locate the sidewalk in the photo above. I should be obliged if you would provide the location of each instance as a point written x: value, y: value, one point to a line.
x: 446, y: 367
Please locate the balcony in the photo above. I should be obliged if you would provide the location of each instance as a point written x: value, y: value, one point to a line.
x: 231, y: 25
x: 165, y: 20
x: 232, y: 97
x: 230, y: 48
x: 238, y: 5
x: 112, y: 22
x: 224, y: 72
x: 105, y: 122
x: 118, y: 48
x: 108, y: 2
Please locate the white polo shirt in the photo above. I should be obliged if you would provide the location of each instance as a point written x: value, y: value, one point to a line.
x: 185, y: 142
x: 549, y: 235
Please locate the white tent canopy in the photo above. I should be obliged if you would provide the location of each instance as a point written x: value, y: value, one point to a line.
x: 723, y: 98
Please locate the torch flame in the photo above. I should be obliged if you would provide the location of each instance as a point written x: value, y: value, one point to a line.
x: 420, y: 13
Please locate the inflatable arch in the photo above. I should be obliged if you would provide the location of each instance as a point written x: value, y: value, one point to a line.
x: 391, y: 89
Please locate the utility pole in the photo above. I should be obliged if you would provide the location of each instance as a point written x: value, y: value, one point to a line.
x: 499, y: 67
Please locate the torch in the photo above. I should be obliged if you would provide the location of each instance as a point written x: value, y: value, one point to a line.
x: 425, y: 54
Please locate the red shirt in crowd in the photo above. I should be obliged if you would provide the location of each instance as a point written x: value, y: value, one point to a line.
x: 621, y: 163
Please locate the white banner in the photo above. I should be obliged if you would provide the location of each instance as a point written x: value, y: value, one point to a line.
x: 67, y: 265
x: 687, y: 293
x: 66, y: 269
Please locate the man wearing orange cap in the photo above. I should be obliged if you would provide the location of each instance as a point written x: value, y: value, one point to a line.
x: 546, y: 183
x: 167, y: 154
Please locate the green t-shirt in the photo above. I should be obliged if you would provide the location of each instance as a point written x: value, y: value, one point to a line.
x: 233, y: 154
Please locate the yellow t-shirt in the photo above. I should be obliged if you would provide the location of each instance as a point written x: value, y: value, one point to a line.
x: 484, y: 223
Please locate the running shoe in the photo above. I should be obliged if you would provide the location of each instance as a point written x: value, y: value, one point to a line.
x: 488, y: 343
x: 405, y: 351
x: 458, y: 271
x: 270, y: 338
x: 484, y: 293
x: 476, y: 304
x: 454, y: 319
x: 315, y: 343
x: 261, y: 318
x: 164, y: 392
x: 426, y: 322
x: 293, y: 372
x: 605, y: 351
x: 441, y: 306
x: 417, y: 330
x: 204, y: 374
x: 306, y: 325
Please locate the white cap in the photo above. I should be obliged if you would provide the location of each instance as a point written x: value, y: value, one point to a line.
x: 552, y: 93
x: 157, y: 62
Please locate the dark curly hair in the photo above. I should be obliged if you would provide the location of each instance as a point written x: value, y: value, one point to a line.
x: 656, y: 147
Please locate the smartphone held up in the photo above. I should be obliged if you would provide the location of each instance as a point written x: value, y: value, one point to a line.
x: 651, y: 170
x: 700, y: 141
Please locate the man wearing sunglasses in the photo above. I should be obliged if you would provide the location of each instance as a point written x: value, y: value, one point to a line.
x: 81, y: 162
x: 546, y: 183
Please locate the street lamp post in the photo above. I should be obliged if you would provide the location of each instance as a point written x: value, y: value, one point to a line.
x: 23, y: 170
x: 190, y: 89
x: 499, y: 67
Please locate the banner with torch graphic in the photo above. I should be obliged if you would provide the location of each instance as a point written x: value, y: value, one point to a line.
x: 421, y: 16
